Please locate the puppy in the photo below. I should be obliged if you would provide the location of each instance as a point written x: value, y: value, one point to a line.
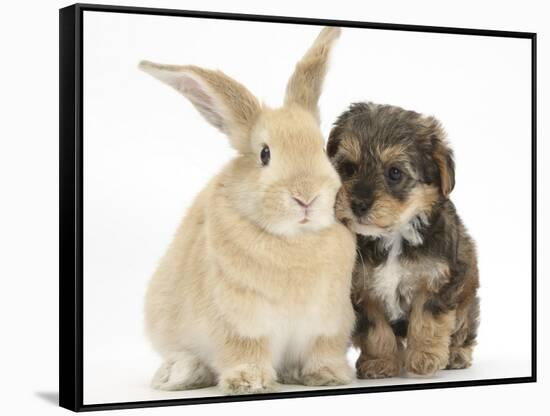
x: 416, y: 276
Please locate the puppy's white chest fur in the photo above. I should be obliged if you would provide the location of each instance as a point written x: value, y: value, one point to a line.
x: 392, y: 282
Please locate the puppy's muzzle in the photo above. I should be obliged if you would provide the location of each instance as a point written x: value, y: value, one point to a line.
x: 362, y: 198
x: 360, y: 206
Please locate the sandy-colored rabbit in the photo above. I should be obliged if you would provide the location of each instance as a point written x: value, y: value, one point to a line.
x: 255, y: 287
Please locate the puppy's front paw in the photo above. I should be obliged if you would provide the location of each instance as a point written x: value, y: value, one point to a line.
x: 459, y: 358
x: 377, y: 367
x: 328, y: 375
x: 424, y: 363
x: 248, y: 379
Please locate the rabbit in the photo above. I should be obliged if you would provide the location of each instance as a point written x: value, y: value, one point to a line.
x: 254, y: 289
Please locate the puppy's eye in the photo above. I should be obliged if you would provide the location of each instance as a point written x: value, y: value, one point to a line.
x: 348, y: 169
x: 265, y: 155
x: 394, y: 174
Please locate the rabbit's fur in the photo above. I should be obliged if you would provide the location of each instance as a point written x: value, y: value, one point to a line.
x: 255, y: 287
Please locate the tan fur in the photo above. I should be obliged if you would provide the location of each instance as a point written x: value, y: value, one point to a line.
x: 441, y: 154
x: 393, y: 154
x: 428, y: 339
x: 441, y: 160
x: 322, y: 372
x: 388, y: 213
x: 460, y: 356
x: 350, y: 149
x: 305, y: 84
x: 245, y: 290
x: 238, y: 108
x: 380, y: 350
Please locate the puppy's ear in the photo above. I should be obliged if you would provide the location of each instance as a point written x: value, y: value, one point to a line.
x: 334, y: 139
x: 443, y: 158
x: 441, y: 169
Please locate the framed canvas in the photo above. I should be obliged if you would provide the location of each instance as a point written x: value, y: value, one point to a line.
x: 300, y: 207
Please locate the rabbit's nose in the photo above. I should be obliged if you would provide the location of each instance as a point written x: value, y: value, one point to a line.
x: 304, y: 204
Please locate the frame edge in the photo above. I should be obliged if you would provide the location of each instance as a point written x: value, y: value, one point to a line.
x: 534, y: 268
x: 302, y: 20
x: 70, y: 288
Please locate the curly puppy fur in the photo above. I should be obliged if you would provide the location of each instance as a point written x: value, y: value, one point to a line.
x: 254, y: 288
x: 416, y: 276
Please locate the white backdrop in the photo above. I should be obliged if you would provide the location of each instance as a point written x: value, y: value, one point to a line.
x: 147, y: 153
x: 29, y: 209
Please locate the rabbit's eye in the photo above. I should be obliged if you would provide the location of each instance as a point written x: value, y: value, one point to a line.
x: 265, y: 155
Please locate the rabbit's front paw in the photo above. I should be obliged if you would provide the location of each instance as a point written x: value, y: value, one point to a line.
x: 328, y: 375
x: 248, y: 379
x: 183, y: 374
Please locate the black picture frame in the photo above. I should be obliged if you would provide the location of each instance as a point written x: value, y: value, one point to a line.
x: 71, y: 204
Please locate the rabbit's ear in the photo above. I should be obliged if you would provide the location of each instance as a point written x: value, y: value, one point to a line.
x: 304, y: 86
x: 223, y: 102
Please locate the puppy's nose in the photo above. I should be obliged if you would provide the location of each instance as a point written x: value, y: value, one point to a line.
x: 360, y: 206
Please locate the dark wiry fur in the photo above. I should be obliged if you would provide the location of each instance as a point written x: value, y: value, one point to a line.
x: 408, y: 229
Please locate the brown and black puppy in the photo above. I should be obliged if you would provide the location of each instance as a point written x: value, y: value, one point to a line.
x: 416, y: 276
